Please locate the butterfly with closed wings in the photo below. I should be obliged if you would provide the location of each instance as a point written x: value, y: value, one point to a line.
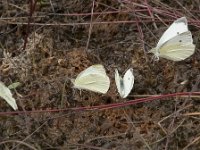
x: 176, y: 43
x: 125, y: 84
x: 94, y: 79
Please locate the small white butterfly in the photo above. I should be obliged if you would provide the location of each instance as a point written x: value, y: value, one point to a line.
x: 176, y: 43
x: 125, y: 85
x: 6, y: 94
x: 94, y: 79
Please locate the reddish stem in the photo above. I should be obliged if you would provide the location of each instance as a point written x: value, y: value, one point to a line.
x: 32, y: 9
x: 102, y: 107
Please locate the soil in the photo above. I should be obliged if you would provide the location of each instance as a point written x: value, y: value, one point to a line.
x: 63, y: 40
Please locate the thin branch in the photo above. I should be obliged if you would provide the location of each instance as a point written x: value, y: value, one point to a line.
x: 193, y: 22
x: 105, y: 106
x: 90, y: 28
x: 194, y: 141
x: 32, y: 9
x: 20, y: 142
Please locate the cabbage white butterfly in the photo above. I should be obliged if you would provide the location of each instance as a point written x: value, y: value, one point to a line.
x: 125, y: 84
x: 6, y: 94
x: 176, y: 43
x: 94, y: 79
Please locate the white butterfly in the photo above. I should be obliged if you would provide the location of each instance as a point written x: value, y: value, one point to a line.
x: 176, y: 43
x: 125, y: 85
x: 6, y: 94
x: 94, y: 79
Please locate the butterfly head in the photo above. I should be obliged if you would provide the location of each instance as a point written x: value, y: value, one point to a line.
x: 72, y: 80
x: 156, y: 58
x: 155, y: 51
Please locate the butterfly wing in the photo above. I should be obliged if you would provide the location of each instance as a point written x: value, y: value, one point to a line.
x: 94, y: 79
x: 6, y: 94
x: 119, y: 83
x: 94, y: 69
x: 178, y: 27
x: 128, y: 81
x: 178, y: 48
